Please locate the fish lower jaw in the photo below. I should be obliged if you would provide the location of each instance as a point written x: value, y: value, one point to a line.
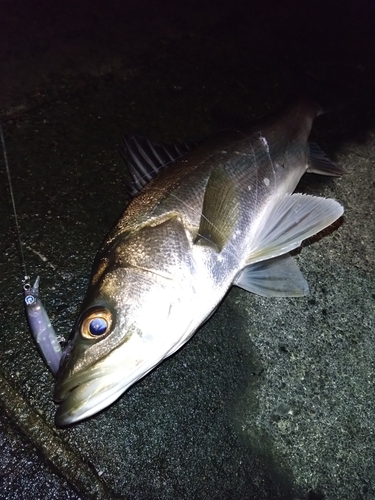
x: 88, y: 394
x: 84, y: 401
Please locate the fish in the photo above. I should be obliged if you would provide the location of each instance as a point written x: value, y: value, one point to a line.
x: 224, y: 214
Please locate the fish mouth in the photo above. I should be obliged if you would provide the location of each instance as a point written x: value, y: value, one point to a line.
x: 80, y: 396
x: 95, y: 386
x: 89, y: 391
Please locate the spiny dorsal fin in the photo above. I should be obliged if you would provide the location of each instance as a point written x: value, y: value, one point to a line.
x: 145, y: 159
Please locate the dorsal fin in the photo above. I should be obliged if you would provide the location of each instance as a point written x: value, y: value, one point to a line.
x: 145, y: 159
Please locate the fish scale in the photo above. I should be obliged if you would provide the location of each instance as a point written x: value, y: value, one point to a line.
x: 221, y: 215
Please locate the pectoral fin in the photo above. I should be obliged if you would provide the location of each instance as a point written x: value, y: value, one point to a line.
x: 220, y: 211
x: 278, y: 277
x: 290, y: 220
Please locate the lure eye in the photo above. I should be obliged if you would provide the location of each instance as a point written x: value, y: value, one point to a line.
x: 97, y: 323
x: 29, y: 300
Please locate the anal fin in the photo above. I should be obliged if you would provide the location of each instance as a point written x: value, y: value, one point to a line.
x: 278, y: 277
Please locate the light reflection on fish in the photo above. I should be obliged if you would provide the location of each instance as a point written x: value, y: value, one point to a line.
x: 223, y: 215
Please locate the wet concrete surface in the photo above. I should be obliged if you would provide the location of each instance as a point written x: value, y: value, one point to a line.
x: 271, y: 399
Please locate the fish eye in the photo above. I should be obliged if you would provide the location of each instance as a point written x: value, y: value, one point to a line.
x: 96, y: 323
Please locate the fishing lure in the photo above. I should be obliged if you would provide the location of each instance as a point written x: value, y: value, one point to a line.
x: 40, y: 325
x: 41, y: 328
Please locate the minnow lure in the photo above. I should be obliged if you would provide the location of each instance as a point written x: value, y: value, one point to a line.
x: 41, y: 328
x: 37, y: 317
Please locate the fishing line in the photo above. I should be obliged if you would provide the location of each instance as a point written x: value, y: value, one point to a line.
x: 26, y: 278
x: 44, y: 335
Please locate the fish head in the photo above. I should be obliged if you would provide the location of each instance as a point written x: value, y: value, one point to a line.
x: 129, y: 323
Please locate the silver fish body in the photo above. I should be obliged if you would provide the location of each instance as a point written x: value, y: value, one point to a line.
x: 223, y: 215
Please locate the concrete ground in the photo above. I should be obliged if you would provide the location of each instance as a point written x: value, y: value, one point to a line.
x: 271, y: 399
